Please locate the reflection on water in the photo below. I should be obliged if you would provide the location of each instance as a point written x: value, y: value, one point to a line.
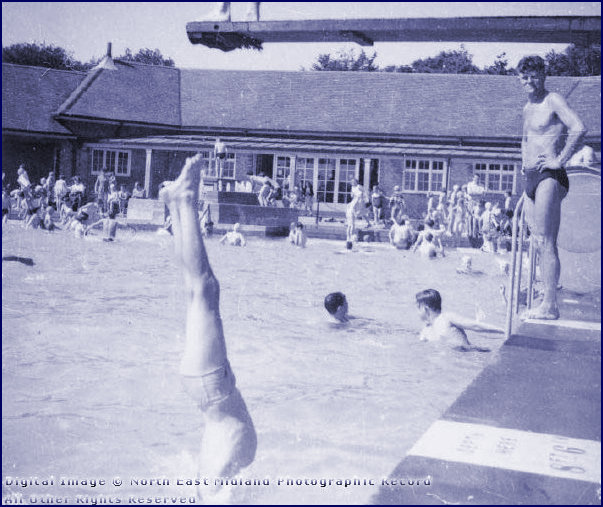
x: 92, y: 334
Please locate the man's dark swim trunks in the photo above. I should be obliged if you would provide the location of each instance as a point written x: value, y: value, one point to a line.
x: 534, y: 177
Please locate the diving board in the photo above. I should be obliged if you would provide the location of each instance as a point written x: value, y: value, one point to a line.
x: 580, y: 30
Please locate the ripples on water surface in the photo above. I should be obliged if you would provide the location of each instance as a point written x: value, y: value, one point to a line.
x: 92, y: 335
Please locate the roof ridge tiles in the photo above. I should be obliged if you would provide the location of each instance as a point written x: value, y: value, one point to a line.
x: 79, y: 91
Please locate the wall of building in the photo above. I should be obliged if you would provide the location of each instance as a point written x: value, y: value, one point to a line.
x: 244, y: 162
x: 40, y: 156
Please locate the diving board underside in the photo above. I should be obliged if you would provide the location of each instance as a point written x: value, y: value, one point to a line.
x: 580, y: 30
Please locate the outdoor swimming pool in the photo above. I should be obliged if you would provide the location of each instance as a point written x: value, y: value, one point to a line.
x: 92, y: 337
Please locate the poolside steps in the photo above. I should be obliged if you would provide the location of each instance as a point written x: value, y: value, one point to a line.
x: 526, y: 431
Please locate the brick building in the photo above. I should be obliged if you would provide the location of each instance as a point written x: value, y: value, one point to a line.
x: 424, y: 132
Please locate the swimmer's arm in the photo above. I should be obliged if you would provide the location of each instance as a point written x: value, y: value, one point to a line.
x: 418, y: 242
x: 574, y: 126
x: 224, y: 238
x: 473, y: 325
x: 423, y: 335
x: 95, y: 224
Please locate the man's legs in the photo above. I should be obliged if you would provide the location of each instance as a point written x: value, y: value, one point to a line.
x: 229, y: 439
x: 220, y: 12
x: 544, y: 223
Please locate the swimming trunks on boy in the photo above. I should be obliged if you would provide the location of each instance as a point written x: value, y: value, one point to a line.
x: 534, y: 177
x: 210, y: 388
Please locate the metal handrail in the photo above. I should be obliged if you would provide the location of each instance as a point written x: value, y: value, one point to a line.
x: 517, y: 241
x: 518, y: 238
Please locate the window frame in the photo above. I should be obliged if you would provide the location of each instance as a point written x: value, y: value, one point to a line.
x: 104, y: 164
x: 415, y: 166
x: 500, y: 168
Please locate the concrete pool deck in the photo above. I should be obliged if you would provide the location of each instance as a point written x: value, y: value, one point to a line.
x: 526, y: 431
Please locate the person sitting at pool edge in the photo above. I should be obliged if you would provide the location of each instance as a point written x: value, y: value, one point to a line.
x: 446, y: 326
x: 229, y: 439
x: 337, y: 306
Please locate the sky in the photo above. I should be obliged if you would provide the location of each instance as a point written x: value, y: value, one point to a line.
x: 84, y: 28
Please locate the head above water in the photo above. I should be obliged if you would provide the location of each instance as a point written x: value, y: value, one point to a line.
x: 337, y: 305
x: 431, y: 299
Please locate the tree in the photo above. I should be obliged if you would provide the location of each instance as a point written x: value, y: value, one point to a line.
x: 41, y: 55
x: 148, y: 56
x: 499, y: 67
x: 447, y: 62
x: 346, y: 61
x: 406, y: 69
x: 575, y: 61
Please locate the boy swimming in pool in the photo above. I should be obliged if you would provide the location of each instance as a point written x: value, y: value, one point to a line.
x: 446, y: 326
x: 337, y: 306
x: 234, y: 237
x: 229, y: 440
x: 109, y: 224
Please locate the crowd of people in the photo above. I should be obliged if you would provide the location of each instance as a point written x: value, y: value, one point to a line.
x: 63, y: 204
x: 461, y: 213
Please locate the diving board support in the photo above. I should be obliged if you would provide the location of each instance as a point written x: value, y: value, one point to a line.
x: 579, y: 30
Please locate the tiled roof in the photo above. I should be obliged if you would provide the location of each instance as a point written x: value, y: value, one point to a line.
x: 133, y: 92
x: 457, y: 105
x: 357, y: 103
x: 30, y: 95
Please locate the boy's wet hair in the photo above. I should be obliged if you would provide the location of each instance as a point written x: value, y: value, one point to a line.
x: 429, y: 237
x: 531, y: 63
x: 348, y: 245
x: 430, y: 298
x: 429, y: 222
x: 333, y: 301
x: 299, y: 225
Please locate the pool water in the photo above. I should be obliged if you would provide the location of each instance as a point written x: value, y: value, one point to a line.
x: 92, y: 337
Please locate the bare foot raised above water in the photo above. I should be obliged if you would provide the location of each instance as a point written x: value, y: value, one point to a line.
x: 186, y: 185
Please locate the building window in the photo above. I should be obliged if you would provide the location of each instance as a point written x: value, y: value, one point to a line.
x: 304, y: 171
x: 283, y: 169
x: 208, y: 167
x: 347, y: 172
x: 423, y: 175
x: 228, y: 169
x: 496, y: 177
x: 325, y: 181
x: 115, y: 161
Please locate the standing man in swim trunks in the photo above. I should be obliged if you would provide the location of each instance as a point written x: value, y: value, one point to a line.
x: 220, y: 156
x: 229, y: 439
x: 551, y: 133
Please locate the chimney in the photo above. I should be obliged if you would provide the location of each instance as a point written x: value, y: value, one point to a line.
x: 107, y: 61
